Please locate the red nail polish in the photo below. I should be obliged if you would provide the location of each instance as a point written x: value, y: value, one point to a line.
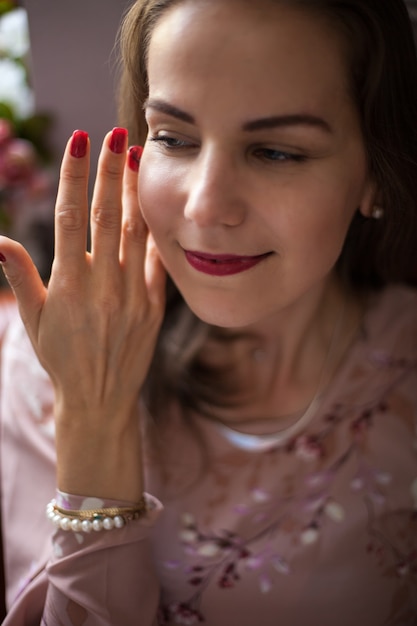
x: 79, y: 144
x: 118, y: 140
x: 2, y: 258
x: 134, y: 156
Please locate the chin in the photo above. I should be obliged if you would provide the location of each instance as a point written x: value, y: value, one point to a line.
x: 223, y: 315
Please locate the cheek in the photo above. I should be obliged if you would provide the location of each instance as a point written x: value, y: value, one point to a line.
x: 154, y: 196
x: 161, y: 193
x: 316, y: 234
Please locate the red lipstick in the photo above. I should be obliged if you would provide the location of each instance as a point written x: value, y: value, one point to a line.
x: 222, y: 264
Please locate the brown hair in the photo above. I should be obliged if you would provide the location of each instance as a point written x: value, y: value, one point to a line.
x: 383, y: 64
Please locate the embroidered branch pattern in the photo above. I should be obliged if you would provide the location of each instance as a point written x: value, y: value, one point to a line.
x: 223, y: 557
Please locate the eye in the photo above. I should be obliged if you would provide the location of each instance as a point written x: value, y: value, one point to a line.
x: 171, y: 142
x: 270, y: 154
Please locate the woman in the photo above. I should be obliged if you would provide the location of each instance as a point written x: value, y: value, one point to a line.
x: 278, y: 379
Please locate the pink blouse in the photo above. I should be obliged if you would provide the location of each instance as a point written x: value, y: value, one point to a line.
x: 321, y: 530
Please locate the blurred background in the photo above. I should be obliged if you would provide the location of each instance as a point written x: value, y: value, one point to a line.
x: 57, y: 74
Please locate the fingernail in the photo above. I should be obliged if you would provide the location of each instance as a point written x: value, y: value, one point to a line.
x: 134, y: 156
x: 118, y: 140
x: 2, y: 258
x: 79, y: 144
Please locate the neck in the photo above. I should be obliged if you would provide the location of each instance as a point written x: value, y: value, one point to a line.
x: 303, y: 329
x: 290, y: 357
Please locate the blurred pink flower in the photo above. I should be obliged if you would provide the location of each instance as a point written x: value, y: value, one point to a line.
x: 17, y: 162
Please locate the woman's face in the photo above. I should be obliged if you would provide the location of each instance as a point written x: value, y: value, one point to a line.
x: 254, y: 164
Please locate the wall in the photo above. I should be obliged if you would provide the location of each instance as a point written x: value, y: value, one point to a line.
x: 73, y: 66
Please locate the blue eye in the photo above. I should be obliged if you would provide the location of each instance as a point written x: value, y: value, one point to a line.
x: 269, y: 154
x: 170, y: 142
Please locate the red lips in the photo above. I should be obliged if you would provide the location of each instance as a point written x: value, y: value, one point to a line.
x: 222, y: 264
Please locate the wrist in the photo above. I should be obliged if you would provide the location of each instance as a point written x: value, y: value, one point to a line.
x: 100, y: 457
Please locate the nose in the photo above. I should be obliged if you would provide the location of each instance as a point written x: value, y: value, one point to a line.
x: 215, y: 193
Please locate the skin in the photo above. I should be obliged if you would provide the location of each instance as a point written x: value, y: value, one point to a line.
x: 95, y: 327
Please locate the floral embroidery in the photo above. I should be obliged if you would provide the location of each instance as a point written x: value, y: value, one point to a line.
x: 301, y: 516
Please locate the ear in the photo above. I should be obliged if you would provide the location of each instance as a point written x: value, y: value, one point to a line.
x: 371, y: 203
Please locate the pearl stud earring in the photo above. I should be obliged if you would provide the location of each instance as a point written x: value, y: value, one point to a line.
x: 377, y: 212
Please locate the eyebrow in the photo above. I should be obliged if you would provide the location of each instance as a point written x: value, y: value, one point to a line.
x: 275, y: 121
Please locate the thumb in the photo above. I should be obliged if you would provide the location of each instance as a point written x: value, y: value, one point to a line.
x: 24, y: 279
x: 155, y: 274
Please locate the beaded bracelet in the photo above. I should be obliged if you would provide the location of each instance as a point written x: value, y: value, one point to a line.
x: 94, y: 519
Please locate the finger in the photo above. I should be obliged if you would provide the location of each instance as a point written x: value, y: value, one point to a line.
x: 106, y: 207
x: 24, y: 279
x: 71, y: 212
x: 134, y: 229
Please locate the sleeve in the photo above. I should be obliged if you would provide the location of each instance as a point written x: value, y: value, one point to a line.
x: 105, y: 578
x: 52, y: 576
x: 27, y: 460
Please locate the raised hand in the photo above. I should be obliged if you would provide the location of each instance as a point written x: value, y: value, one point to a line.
x: 95, y: 326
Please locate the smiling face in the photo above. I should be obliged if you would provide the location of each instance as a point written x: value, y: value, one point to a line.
x: 254, y: 165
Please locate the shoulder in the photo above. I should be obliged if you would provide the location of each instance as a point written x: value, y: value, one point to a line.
x: 382, y: 360
x: 391, y: 318
x: 395, y: 302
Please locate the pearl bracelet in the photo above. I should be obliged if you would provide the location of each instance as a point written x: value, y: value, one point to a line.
x: 94, y: 519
